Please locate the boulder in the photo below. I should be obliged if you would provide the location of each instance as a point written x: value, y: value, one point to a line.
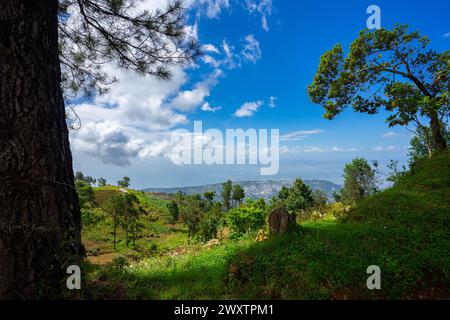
x: 280, y: 220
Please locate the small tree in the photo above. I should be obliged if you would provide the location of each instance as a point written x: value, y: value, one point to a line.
x: 115, y: 206
x: 299, y: 198
x: 124, y: 183
x: 238, y: 194
x: 359, y: 181
x: 320, y: 198
x: 283, y: 194
x: 247, y: 218
x: 174, y: 213
x: 210, y: 223
x: 192, y: 213
x: 226, y: 194
x: 102, y: 182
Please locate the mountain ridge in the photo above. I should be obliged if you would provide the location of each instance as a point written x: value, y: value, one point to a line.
x: 254, y: 189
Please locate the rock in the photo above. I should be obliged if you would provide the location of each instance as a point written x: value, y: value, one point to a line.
x: 280, y: 220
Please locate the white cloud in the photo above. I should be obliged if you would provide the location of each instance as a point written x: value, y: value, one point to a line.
x: 312, y: 149
x: 209, y: 48
x: 252, y: 50
x: 248, y: 109
x: 133, y: 119
x: 190, y: 99
x: 207, y: 108
x: 273, y: 102
x: 299, y: 135
x: 388, y: 148
x: 389, y: 134
x: 263, y: 8
x: 212, y: 8
x: 446, y: 35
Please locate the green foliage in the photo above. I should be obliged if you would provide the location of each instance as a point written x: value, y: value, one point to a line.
x: 192, y: 213
x: 238, y: 194
x: 209, y: 196
x: 320, y: 199
x: 79, y: 176
x: 226, y: 194
x: 421, y: 144
x: 85, y: 193
x: 300, y: 197
x: 101, y: 182
x: 283, y: 194
x: 390, y: 69
x: 247, y: 218
x: 359, y: 181
x: 124, y: 183
x: 120, y: 262
x: 116, y: 31
x: 174, y: 213
x: 210, y: 223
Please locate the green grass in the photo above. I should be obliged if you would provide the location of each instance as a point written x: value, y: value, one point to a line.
x: 404, y: 230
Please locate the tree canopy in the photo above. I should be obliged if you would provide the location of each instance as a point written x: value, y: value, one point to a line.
x: 387, y: 69
x: 93, y: 33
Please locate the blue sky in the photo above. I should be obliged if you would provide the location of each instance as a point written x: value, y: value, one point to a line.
x: 255, y: 50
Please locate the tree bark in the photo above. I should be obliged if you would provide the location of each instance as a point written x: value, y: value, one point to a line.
x: 39, y: 210
x: 439, y: 141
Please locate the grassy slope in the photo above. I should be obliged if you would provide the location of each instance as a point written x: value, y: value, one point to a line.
x: 156, y: 229
x: 404, y: 230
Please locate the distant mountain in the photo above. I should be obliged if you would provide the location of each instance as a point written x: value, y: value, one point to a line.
x: 253, y: 189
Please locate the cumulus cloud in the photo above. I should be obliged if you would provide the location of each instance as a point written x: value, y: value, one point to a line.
x: 133, y: 119
x: 252, y: 50
x: 248, y: 109
x: 190, y: 99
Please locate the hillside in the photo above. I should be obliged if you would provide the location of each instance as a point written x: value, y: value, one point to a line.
x: 404, y: 230
x: 253, y: 189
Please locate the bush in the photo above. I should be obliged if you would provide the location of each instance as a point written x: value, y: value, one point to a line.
x: 246, y: 219
x: 339, y: 210
x: 120, y: 262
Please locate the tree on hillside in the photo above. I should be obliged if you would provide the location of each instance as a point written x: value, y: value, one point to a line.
x: 124, y: 183
x: 79, y: 176
x: 319, y: 197
x: 390, y: 69
x: 283, y: 194
x: 359, y: 181
x: 102, y: 182
x: 227, y: 187
x: 85, y: 193
x: 115, y: 206
x: 174, y: 213
x: 300, y: 197
x: 209, y: 196
x: 420, y: 143
x: 48, y: 50
x: 130, y: 221
x: 192, y: 213
x: 238, y: 194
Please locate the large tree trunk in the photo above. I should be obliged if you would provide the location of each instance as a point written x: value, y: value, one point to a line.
x: 39, y: 210
x: 436, y: 130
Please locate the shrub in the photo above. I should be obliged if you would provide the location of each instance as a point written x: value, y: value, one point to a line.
x: 246, y: 219
x: 339, y: 210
